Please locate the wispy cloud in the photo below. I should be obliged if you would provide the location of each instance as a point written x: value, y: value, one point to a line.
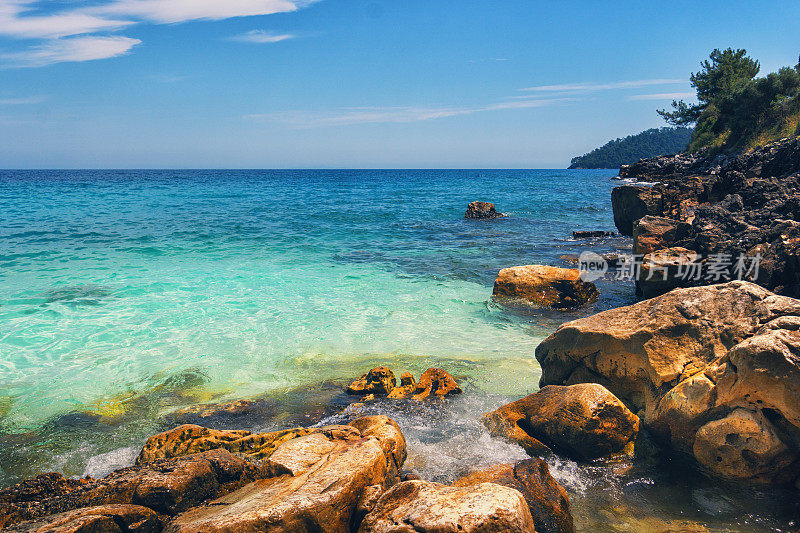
x: 26, y: 100
x: 73, y: 49
x: 374, y: 115
x: 662, y: 96
x: 24, y: 19
x: 594, y: 86
x: 261, y: 37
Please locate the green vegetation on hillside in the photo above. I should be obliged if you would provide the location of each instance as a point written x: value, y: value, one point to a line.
x: 649, y: 143
x: 737, y: 110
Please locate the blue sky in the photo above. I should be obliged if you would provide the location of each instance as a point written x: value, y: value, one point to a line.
x: 353, y: 83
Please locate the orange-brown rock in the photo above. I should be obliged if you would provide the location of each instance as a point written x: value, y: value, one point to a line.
x: 406, y: 388
x: 547, y: 500
x: 379, y: 380
x: 653, y: 233
x: 583, y: 421
x: 166, y: 486
x: 437, y: 382
x: 664, y: 270
x: 713, y: 370
x: 425, y: 507
x: 545, y: 286
x: 113, y: 518
x: 320, y: 482
x: 188, y: 439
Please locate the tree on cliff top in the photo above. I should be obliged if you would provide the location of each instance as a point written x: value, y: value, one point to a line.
x: 736, y: 109
x: 726, y: 72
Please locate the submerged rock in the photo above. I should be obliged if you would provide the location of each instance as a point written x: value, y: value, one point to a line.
x: 482, y: 210
x: 379, y: 380
x: 582, y: 421
x: 547, y: 500
x: 546, y: 286
x: 713, y: 371
x: 591, y: 234
x: 425, y: 507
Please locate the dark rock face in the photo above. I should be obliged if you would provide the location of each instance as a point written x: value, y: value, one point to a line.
x: 744, y: 204
x: 546, y: 499
x: 482, y: 210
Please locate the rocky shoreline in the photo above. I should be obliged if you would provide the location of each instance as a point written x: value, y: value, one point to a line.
x: 706, y: 372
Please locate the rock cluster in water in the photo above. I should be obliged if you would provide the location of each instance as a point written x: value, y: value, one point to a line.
x: 745, y: 204
x: 337, y: 479
x: 712, y: 372
x: 381, y: 381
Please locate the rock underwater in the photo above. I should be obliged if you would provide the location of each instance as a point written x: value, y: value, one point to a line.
x: 712, y: 371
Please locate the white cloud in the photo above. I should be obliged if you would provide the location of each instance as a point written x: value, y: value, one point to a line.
x: 26, y: 100
x: 261, y: 37
x: 15, y: 22
x: 73, y: 49
x: 663, y: 96
x: 171, y: 11
x: 375, y: 115
x: 593, y: 86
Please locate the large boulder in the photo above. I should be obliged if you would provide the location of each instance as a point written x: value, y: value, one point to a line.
x: 319, y: 482
x: 712, y: 370
x: 545, y: 286
x: 547, y: 500
x: 632, y: 202
x: 425, y: 507
x: 482, y: 210
x: 582, y: 421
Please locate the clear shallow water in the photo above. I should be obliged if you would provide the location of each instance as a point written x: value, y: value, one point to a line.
x: 127, y: 294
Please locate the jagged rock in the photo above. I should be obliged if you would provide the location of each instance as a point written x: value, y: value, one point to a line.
x: 583, y: 421
x: 632, y: 202
x: 425, y: 507
x: 668, y: 269
x: 406, y: 388
x: 112, y: 518
x: 592, y: 234
x: 482, y: 210
x: 546, y: 286
x: 653, y: 233
x: 379, y: 380
x: 725, y: 203
x: 319, y: 483
x: 166, y: 486
x: 547, y: 500
x: 708, y: 358
x: 189, y: 438
x: 437, y: 382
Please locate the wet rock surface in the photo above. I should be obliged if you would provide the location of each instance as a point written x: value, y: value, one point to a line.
x: 726, y: 204
x: 381, y: 381
x: 583, y: 421
x: 547, y: 500
x: 546, y: 286
x: 426, y: 507
x: 483, y: 210
x: 713, y: 371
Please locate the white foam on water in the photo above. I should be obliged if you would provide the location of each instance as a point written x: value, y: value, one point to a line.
x: 103, y: 464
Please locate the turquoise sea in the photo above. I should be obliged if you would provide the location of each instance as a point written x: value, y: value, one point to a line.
x: 125, y: 295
